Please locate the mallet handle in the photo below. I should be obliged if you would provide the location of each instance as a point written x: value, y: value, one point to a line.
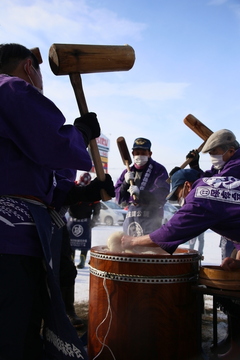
x: 123, y: 149
x: 76, y: 82
x: 126, y: 158
x: 200, y: 129
x: 190, y: 159
x: 187, y: 161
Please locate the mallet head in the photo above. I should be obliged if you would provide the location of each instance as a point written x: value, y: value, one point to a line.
x: 65, y: 59
x: 37, y: 53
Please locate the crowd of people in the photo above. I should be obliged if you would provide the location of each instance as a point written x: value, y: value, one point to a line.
x: 38, y: 240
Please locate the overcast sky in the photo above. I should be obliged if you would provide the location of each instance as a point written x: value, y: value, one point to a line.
x: 187, y: 61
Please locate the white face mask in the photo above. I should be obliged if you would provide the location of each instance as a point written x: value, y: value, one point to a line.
x: 217, y: 161
x: 140, y: 160
x: 37, y: 88
x: 181, y: 201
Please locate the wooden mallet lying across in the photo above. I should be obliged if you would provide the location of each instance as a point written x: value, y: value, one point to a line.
x: 76, y: 59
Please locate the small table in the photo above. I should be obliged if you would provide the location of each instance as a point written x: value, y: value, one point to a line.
x: 215, y: 293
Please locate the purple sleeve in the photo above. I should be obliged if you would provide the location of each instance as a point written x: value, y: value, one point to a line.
x: 65, y: 181
x: 41, y: 134
x: 188, y: 222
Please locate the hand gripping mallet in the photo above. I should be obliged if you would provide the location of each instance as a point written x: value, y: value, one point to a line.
x: 76, y: 59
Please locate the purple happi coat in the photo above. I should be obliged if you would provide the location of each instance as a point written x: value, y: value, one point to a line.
x: 153, y: 180
x: 33, y: 142
x: 145, y: 214
x: 213, y: 203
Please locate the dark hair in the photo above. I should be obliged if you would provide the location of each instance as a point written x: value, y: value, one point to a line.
x: 234, y: 145
x: 12, y: 54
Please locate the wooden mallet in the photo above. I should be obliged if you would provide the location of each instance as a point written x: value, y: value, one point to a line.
x: 37, y: 53
x: 76, y: 59
x: 125, y: 155
x: 200, y: 129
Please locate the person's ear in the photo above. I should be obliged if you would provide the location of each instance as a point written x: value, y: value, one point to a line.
x: 231, y: 151
x: 27, y: 66
x: 188, y: 186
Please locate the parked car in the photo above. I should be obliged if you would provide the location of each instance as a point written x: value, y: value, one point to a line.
x: 111, y: 213
x: 168, y: 211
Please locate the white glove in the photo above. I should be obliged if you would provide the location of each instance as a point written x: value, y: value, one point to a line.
x: 129, y: 176
x: 134, y: 190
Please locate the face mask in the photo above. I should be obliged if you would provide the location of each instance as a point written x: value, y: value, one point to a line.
x: 217, y: 161
x: 140, y: 160
x: 38, y: 89
x: 181, y: 200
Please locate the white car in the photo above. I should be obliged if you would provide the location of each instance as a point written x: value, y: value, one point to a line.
x: 111, y: 214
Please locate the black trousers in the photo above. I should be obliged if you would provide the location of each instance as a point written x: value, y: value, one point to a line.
x: 22, y: 298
